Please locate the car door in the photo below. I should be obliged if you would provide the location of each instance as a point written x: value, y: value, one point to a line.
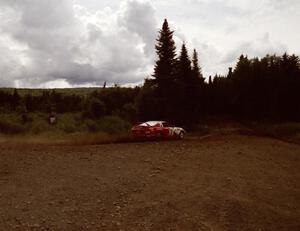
x: 167, y: 129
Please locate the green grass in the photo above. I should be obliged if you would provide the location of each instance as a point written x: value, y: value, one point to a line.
x: 69, y: 129
x: 281, y: 129
x: 286, y: 131
x: 11, y: 123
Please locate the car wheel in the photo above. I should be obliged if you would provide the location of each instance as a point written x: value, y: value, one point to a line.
x: 181, y: 135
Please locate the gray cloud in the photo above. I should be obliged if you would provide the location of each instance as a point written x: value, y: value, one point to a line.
x: 139, y: 18
x: 56, y: 40
x: 257, y: 48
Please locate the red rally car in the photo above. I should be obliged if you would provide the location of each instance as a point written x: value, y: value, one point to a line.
x: 157, y: 129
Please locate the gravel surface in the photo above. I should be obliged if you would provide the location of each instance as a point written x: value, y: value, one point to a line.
x: 226, y: 182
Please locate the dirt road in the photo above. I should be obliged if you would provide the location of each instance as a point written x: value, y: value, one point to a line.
x: 228, y: 182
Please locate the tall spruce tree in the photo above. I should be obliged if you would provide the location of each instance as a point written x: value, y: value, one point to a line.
x: 184, y: 68
x: 183, y: 78
x: 196, y: 69
x: 189, y: 89
x: 199, y: 87
x: 164, y: 73
x: 166, y: 52
x: 209, y: 80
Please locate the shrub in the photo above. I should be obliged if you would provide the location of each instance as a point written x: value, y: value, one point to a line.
x: 129, y: 112
x: 281, y: 130
x: 38, y: 126
x: 201, y: 130
x: 95, y: 109
x: 69, y: 128
x: 8, y: 127
x: 92, y: 125
x: 68, y: 123
x: 113, y: 125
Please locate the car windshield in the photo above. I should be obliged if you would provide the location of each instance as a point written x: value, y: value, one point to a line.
x: 150, y: 123
x: 144, y: 124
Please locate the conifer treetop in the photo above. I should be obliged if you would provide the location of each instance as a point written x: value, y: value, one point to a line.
x: 195, y: 65
x: 166, y: 52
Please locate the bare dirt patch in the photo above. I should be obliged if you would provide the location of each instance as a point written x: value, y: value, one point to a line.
x: 222, y: 182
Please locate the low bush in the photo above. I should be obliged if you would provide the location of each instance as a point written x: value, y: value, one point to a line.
x: 113, y: 125
x: 200, y: 130
x: 107, y: 124
x: 37, y: 127
x: 109, y: 127
x: 279, y: 130
x: 10, y: 123
x: 8, y: 127
x: 92, y: 125
x: 95, y: 108
x: 69, y: 123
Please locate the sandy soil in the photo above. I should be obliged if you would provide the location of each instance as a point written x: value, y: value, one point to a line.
x: 223, y: 182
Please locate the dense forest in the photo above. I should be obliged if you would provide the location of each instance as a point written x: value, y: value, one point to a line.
x: 260, y: 89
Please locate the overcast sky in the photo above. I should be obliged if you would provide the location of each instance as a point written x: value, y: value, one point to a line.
x: 66, y: 43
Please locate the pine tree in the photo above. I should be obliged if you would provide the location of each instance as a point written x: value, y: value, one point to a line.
x: 210, y: 80
x: 242, y: 67
x: 229, y: 75
x: 195, y: 67
x: 164, y: 74
x: 189, y: 89
x: 184, y: 69
x: 165, y: 49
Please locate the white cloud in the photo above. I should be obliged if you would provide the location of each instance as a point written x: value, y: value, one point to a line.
x: 67, y: 43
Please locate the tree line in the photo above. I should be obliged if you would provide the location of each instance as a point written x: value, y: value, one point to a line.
x: 265, y: 88
x: 114, y: 101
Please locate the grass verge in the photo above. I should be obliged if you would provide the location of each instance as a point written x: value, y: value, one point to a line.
x: 285, y: 131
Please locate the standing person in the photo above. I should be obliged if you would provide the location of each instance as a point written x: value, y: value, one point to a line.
x: 52, y: 117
